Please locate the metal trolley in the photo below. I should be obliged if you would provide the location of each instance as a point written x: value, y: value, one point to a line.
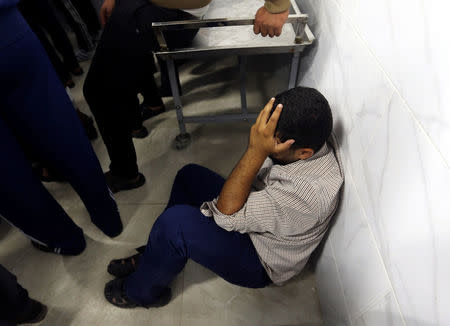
x: 230, y: 36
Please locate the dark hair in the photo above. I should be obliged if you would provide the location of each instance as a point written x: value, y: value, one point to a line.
x: 306, y: 118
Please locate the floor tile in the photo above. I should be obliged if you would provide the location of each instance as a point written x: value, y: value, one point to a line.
x: 207, y: 298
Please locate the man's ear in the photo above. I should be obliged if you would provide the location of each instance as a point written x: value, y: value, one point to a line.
x: 278, y: 139
x: 304, y: 153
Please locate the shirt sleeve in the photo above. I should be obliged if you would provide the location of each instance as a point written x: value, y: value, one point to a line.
x: 278, y: 209
x: 277, y: 6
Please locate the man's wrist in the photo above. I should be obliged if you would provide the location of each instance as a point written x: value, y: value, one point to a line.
x: 257, y: 154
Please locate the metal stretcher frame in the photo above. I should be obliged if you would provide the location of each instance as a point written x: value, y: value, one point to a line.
x: 303, y: 38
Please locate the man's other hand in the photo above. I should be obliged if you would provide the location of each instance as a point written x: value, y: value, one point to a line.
x: 262, y: 135
x: 270, y: 24
x: 106, y: 11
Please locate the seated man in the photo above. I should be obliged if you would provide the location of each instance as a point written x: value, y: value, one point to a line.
x: 271, y: 213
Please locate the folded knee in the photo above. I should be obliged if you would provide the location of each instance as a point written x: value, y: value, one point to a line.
x: 187, y: 170
x: 174, y: 221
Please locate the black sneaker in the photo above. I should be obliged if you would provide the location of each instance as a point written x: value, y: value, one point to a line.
x: 88, y: 125
x: 58, y: 251
x: 116, y: 183
x: 36, y: 314
x: 115, y: 294
x: 140, y: 133
x: 148, y: 113
x: 124, y: 267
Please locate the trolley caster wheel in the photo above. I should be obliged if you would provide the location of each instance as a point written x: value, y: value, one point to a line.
x: 182, y: 141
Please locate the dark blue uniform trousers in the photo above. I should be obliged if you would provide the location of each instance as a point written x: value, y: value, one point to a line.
x: 35, y: 109
x: 182, y: 232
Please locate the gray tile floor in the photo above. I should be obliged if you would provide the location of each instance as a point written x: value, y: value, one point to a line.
x: 72, y: 287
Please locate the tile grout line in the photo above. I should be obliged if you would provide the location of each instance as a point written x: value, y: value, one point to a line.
x: 371, y: 138
x: 372, y: 303
x: 409, y: 110
x: 380, y: 66
x: 379, y: 297
x: 341, y: 285
x: 377, y: 248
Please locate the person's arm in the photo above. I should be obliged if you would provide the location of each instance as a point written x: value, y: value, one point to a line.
x: 269, y: 20
x: 106, y: 11
x: 262, y: 143
x: 277, y: 6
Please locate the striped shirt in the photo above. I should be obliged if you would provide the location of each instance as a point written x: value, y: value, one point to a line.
x: 288, y: 210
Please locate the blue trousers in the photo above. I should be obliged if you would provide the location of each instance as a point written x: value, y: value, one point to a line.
x: 35, y: 109
x: 182, y: 232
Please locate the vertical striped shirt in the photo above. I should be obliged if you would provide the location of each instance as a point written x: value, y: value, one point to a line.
x: 288, y: 210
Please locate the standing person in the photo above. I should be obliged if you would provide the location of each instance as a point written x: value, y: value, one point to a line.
x: 257, y: 227
x: 35, y: 109
x: 16, y: 307
x: 43, y: 21
x: 82, y: 32
x: 123, y: 63
x: 89, y: 16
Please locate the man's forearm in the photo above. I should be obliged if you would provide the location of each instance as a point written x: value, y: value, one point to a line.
x: 277, y: 6
x: 236, y: 189
x: 262, y: 143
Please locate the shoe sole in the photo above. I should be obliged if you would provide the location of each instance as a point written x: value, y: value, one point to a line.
x: 116, y: 188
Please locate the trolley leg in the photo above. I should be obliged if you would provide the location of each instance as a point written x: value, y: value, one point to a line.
x: 183, y: 139
x: 242, y: 77
x: 294, y: 70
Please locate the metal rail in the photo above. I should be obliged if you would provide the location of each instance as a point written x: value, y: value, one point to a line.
x: 303, y: 37
x: 159, y: 28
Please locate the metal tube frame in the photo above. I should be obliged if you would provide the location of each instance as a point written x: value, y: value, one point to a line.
x: 294, y: 70
x: 303, y: 37
x: 242, y: 75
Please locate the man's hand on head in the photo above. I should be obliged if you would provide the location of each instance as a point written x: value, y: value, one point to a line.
x: 106, y: 11
x: 262, y: 135
x: 270, y: 24
x: 262, y: 143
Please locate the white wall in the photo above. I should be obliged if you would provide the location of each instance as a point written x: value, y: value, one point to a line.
x: 385, y: 68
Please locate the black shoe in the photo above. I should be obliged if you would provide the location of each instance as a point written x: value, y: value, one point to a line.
x: 77, y: 71
x: 50, y: 174
x: 117, y: 184
x: 115, y: 294
x: 121, y: 268
x: 88, y: 125
x: 36, y: 314
x: 140, y: 133
x: 148, y: 113
x: 69, y: 83
x: 58, y: 251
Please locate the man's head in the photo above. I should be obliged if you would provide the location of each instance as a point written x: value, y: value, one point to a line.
x: 306, y: 118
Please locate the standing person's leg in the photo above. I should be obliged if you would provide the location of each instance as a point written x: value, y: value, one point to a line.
x: 27, y: 8
x: 50, y: 22
x: 119, y: 68
x: 110, y: 91
x: 152, y: 104
x: 180, y: 233
x: 87, y: 12
x: 35, y: 106
x: 15, y: 305
x: 77, y: 24
x: 26, y: 204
